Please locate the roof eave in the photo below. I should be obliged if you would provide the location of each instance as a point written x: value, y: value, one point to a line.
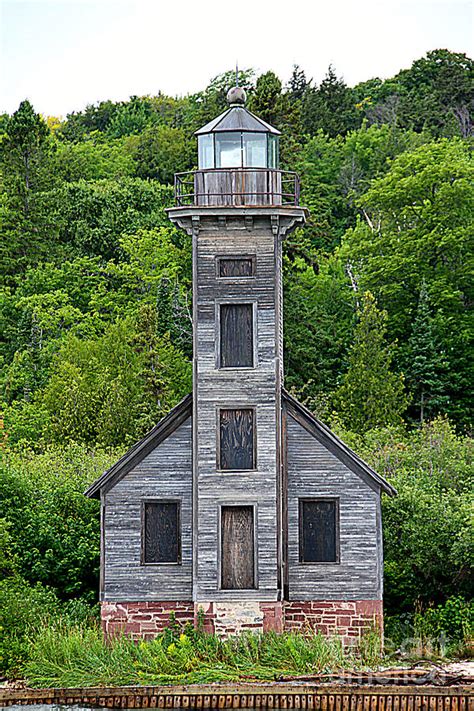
x: 326, y: 432
x: 140, y: 449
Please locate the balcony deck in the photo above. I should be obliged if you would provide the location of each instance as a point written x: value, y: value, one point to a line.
x: 238, y: 187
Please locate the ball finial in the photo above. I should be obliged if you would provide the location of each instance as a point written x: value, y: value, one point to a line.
x: 236, y: 95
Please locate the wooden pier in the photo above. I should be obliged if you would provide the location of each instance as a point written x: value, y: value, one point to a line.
x: 255, y: 696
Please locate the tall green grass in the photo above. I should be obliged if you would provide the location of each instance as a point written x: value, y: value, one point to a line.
x: 79, y: 656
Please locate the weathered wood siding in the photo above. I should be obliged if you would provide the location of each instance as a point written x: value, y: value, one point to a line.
x: 165, y: 473
x: 227, y: 186
x: 227, y: 388
x: 313, y: 471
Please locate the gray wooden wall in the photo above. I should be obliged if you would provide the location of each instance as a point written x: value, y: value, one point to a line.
x: 313, y: 471
x: 164, y: 473
x: 257, y: 387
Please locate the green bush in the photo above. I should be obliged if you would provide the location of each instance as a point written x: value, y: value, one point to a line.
x: 23, y: 609
x: 428, y: 540
x: 53, y: 527
x: 445, y: 630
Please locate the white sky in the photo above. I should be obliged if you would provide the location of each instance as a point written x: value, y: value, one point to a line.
x: 63, y: 54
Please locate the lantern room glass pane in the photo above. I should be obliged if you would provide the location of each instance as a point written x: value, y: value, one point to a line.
x: 206, y: 151
x: 255, y: 150
x: 272, y: 151
x: 228, y: 150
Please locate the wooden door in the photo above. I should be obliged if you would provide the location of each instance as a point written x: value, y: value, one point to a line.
x: 237, y: 548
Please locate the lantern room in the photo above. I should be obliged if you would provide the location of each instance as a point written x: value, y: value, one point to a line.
x: 237, y: 138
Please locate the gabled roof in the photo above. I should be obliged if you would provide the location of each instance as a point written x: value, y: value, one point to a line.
x: 139, y: 451
x: 335, y: 445
x: 183, y: 411
x: 237, y: 118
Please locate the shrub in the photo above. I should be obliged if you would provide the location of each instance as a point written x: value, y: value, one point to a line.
x: 23, y: 609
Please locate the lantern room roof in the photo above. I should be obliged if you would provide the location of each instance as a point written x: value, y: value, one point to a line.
x: 237, y: 118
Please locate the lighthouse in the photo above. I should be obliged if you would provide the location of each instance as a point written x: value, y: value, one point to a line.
x: 240, y: 507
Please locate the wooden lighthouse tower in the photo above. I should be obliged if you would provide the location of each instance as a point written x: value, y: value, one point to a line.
x: 240, y: 503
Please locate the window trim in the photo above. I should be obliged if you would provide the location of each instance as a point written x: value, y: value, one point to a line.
x: 336, y: 501
x: 222, y: 257
x: 233, y: 406
x: 217, y: 336
x: 237, y: 504
x: 161, y: 500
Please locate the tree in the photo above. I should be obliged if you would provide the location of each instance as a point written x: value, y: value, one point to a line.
x: 25, y: 150
x: 111, y: 390
x: 417, y: 224
x: 330, y: 107
x: 298, y: 83
x: 318, y: 325
x: 371, y: 394
x: 265, y: 100
x: 162, y: 151
x: 435, y: 94
x: 425, y: 364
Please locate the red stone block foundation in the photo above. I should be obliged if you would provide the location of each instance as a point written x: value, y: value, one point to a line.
x: 343, y: 618
x: 143, y: 620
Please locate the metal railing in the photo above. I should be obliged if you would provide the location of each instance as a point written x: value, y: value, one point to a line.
x: 236, y: 186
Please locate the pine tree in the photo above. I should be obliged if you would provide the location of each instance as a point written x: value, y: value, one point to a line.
x: 425, y: 362
x: 330, y: 107
x: 24, y: 153
x: 298, y: 83
x: 371, y: 394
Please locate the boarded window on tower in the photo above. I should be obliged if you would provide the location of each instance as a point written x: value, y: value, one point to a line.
x: 235, y: 267
x: 237, y: 548
x: 236, y: 336
x: 161, y: 539
x: 319, y: 530
x: 236, y: 450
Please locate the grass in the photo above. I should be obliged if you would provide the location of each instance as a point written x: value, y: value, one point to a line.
x: 79, y: 656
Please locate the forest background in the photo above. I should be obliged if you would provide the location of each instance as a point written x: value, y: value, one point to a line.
x: 96, y: 317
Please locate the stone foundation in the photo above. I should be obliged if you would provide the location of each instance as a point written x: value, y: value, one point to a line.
x: 143, y: 620
x: 226, y: 618
x: 346, y: 619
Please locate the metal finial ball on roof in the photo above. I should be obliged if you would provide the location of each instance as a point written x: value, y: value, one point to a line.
x: 236, y: 95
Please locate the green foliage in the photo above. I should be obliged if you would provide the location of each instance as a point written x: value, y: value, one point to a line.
x: 113, y: 389
x: 428, y: 541
x: 330, y: 107
x: 434, y: 94
x: 319, y: 319
x: 53, y: 529
x: 371, y: 395
x: 426, y: 196
x: 79, y: 656
x: 95, y: 215
x: 425, y: 364
x: 162, y: 151
x: 94, y: 159
x: 25, y: 610
x: 25, y: 150
x: 445, y: 630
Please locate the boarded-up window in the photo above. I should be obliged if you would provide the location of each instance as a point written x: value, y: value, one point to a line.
x: 161, y: 532
x: 236, y: 336
x: 236, y: 439
x: 236, y: 267
x: 237, y: 548
x: 318, y: 520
